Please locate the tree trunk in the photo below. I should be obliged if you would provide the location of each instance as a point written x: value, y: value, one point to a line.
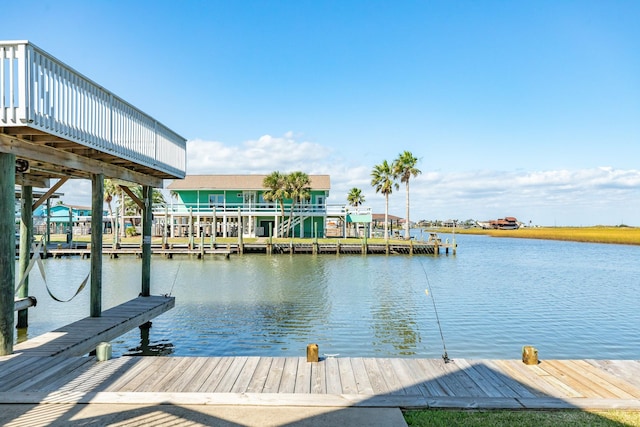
x: 386, y: 217
x: 406, y: 221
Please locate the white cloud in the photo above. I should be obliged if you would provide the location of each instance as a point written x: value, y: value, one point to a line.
x: 264, y: 155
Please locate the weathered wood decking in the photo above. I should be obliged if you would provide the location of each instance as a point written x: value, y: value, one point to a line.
x: 81, y: 337
x: 339, y: 382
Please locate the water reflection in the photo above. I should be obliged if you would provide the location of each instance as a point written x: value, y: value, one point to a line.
x: 394, y: 312
x: 146, y: 348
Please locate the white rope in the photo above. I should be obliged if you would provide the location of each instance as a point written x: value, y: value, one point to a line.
x: 36, y: 259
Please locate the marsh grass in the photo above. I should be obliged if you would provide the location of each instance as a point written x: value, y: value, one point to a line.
x: 617, y: 235
x: 434, y: 417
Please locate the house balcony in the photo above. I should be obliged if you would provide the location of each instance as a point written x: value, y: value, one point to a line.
x: 257, y: 209
x: 45, y: 103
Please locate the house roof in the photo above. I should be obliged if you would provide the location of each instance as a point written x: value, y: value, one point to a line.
x: 237, y: 182
x: 380, y: 217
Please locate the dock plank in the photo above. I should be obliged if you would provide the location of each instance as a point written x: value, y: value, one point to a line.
x: 215, y: 376
x: 318, y: 379
x: 347, y: 377
x: 427, y: 383
x: 259, y: 377
x: 506, y: 385
x: 289, y: 374
x: 303, y: 376
x: 189, y: 374
x: 231, y: 376
x: 332, y: 373
x: 376, y: 377
x: 272, y: 383
x: 361, y: 376
x: 244, y: 378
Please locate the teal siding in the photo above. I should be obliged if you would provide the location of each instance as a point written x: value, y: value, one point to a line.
x: 194, y: 199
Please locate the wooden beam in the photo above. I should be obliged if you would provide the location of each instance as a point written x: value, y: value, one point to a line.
x: 32, y: 180
x: 28, y: 150
x: 147, y: 193
x: 48, y: 194
x: 26, y: 236
x: 97, y: 206
x: 7, y: 250
x: 133, y: 196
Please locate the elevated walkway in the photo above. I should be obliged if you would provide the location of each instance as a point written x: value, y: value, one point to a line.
x: 60, y: 123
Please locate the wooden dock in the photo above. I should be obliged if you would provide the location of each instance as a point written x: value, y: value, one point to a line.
x: 332, y: 382
x: 226, y: 249
x: 81, y: 337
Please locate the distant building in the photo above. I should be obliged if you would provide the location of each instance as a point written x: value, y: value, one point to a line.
x: 506, y: 223
x: 224, y: 199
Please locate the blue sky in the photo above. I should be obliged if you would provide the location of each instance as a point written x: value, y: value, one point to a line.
x: 525, y: 109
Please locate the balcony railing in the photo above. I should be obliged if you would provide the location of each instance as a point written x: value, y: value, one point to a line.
x: 40, y: 92
x: 258, y: 209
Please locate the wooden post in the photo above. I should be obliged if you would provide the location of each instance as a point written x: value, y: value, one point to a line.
x: 312, y: 353
x: 165, y: 238
x: 7, y: 250
x: 47, y: 235
x: 190, y: 228
x: 147, y: 195
x: 201, y: 240
x: 97, y: 203
x: 214, y: 229
x: 26, y: 237
x: 240, y: 244
x: 70, y: 230
x: 529, y: 355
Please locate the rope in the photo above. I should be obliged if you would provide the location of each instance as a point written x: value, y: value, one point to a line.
x: 428, y: 291
x: 36, y: 259
x: 174, y: 280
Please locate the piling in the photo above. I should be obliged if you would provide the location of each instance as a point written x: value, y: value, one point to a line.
x: 312, y: 353
x: 529, y: 355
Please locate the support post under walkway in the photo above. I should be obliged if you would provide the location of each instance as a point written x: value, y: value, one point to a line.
x: 7, y: 250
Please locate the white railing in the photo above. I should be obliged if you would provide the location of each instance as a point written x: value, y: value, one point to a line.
x: 258, y: 209
x: 38, y: 91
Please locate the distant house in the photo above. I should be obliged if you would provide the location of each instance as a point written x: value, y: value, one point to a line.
x: 63, y: 218
x: 225, y: 203
x: 506, y: 223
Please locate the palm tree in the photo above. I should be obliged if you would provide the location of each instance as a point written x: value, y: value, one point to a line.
x: 382, y: 179
x: 275, y: 183
x: 132, y: 208
x: 297, y: 189
x: 404, y: 167
x: 355, y: 198
x: 110, y: 190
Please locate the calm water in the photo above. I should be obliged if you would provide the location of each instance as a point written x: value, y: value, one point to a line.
x: 570, y: 300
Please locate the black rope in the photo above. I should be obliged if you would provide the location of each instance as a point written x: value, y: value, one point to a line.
x: 445, y: 356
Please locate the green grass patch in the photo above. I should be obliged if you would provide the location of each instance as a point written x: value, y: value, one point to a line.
x: 501, y: 418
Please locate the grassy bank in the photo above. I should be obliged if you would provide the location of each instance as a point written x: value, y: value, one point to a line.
x: 618, y: 235
x: 424, y: 418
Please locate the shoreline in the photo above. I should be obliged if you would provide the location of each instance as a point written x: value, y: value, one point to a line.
x: 596, y: 234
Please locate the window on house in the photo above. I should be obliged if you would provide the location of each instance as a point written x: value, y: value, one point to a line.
x: 216, y: 200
